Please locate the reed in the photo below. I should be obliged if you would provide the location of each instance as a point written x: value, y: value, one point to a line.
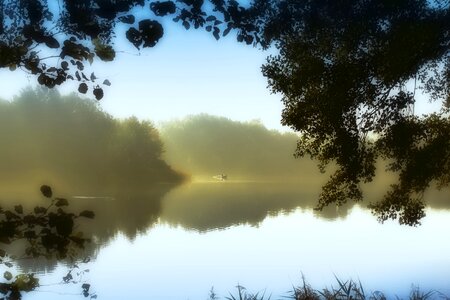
x: 343, y: 290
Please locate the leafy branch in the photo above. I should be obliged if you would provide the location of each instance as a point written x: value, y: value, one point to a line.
x: 48, y: 232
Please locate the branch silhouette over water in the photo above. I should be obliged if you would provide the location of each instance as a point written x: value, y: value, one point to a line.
x: 46, y: 232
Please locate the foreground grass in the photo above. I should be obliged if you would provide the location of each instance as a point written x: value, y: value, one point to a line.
x: 344, y: 290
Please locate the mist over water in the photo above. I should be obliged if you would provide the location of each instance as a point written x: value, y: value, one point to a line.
x: 71, y: 144
x: 154, y: 194
x: 206, y: 145
x: 123, y: 168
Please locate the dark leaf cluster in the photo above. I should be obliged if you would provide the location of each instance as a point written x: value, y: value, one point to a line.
x: 54, y: 41
x: 47, y: 231
x: 349, y: 73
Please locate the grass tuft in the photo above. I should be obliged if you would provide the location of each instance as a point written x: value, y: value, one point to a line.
x: 344, y: 290
x: 242, y: 294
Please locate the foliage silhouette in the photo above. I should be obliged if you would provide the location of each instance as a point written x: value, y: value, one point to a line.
x: 349, y: 73
x: 112, y: 218
x: 48, y: 232
x: 34, y: 32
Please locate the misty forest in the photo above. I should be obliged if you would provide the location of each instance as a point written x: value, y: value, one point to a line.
x: 181, y: 197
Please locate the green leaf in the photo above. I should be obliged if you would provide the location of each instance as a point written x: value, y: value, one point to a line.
x: 216, y: 33
x: 64, y: 224
x: 8, y: 264
x: 227, y: 31
x: 30, y: 234
x: 104, y: 52
x: 7, y: 275
x: 40, y: 210
x: 87, y: 214
x: 61, y: 202
x: 46, y: 191
x: 248, y: 39
x: 80, y: 65
x: 163, y: 8
x: 98, y: 93
x: 65, y: 65
x: 68, y: 277
x: 74, y: 50
x: 128, y: 19
x: 83, y: 88
x: 134, y: 36
x: 18, y: 209
x: 151, y: 31
x: 26, y: 282
x: 51, y: 42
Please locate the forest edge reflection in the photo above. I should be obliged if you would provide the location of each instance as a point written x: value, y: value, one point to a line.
x: 201, y: 207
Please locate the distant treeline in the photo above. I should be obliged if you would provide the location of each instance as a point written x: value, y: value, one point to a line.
x: 207, y: 145
x: 70, y: 142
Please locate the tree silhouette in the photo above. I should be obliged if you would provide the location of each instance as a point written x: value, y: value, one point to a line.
x: 61, y: 137
x: 348, y: 71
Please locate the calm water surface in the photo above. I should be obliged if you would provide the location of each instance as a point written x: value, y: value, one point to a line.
x: 178, y: 243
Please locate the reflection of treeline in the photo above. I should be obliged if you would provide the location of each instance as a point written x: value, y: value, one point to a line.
x: 66, y: 139
x: 208, y: 145
x: 209, y: 206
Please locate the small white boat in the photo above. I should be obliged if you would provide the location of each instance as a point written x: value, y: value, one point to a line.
x: 221, y: 177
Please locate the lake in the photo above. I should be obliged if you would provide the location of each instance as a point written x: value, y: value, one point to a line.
x: 179, y: 242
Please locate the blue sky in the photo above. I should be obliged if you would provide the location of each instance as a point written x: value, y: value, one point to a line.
x: 188, y: 72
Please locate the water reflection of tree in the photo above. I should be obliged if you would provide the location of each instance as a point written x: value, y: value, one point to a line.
x: 46, y: 232
x: 210, y: 206
x: 200, y: 207
x: 129, y: 212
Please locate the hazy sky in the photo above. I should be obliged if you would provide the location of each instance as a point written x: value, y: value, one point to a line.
x: 188, y: 72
